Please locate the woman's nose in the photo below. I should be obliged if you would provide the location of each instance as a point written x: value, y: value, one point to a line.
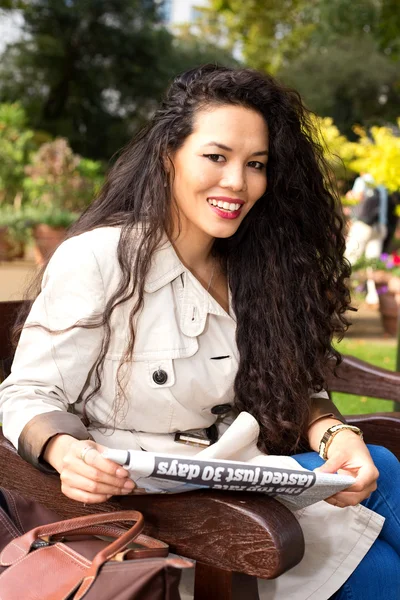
x: 234, y: 179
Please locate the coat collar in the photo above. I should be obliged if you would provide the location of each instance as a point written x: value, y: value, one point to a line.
x: 165, y: 267
x: 197, y: 303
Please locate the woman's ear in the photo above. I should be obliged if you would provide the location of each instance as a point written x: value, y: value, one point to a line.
x: 167, y: 163
x: 168, y: 168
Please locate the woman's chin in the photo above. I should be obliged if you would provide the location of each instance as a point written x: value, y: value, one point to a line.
x: 223, y: 229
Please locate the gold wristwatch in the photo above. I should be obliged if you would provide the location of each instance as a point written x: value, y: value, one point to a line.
x: 330, y: 434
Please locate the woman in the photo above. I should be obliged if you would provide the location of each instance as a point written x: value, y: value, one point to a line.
x: 209, y: 273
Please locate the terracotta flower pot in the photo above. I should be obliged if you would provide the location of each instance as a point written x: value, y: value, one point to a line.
x: 47, y: 239
x: 389, y: 304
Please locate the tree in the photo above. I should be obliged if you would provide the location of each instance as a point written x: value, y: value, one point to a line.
x: 267, y: 31
x: 375, y: 19
x: 272, y: 32
x: 341, y: 55
x: 347, y: 79
x: 91, y: 70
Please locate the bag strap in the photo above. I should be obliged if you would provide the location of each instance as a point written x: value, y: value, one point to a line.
x: 101, y: 557
x: 87, y: 525
x: 151, y: 548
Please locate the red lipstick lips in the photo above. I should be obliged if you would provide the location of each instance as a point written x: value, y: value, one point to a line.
x: 224, y: 212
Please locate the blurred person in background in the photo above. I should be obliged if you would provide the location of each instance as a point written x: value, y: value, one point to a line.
x: 369, y: 227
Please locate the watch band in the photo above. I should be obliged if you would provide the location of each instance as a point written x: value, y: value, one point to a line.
x: 330, y: 434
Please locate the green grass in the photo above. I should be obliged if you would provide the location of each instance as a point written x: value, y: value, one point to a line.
x: 381, y: 353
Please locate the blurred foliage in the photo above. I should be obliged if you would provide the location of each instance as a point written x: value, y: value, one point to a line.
x: 15, y: 221
x: 191, y: 49
x: 41, y: 181
x: 379, y: 155
x: 47, y: 215
x: 349, y: 80
x: 376, y: 151
x: 273, y: 32
x: 58, y: 178
x: 267, y: 31
x: 16, y: 144
x: 338, y: 151
x: 376, y: 19
x: 386, y: 263
x: 92, y: 71
x: 341, y: 56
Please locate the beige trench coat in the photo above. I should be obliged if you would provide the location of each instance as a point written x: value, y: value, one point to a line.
x: 177, y: 381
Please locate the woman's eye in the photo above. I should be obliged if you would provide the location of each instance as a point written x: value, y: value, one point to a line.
x: 215, y: 157
x: 256, y: 165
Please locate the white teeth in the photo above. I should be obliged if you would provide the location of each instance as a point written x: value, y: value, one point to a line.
x: 227, y: 206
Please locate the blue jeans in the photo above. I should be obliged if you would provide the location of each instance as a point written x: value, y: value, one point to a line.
x: 377, y: 577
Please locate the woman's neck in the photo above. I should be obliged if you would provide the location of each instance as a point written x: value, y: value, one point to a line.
x: 193, y: 248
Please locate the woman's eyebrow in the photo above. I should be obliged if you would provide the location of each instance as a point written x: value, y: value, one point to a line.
x: 223, y: 147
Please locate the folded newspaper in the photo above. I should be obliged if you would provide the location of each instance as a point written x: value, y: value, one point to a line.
x: 279, y: 476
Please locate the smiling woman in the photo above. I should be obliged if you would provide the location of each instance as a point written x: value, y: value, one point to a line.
x: 201, y: 177
x: 207, y: 279
x: 213, y: 193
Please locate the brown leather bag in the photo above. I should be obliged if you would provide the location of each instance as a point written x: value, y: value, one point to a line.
x: 42, y: 558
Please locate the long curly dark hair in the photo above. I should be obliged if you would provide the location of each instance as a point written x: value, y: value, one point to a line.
x: 284, y: 265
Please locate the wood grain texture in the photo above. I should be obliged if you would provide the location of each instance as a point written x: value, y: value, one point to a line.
x: 248, y: 533
x: 357, y: 377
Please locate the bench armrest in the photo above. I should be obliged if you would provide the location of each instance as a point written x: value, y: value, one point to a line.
x: 243, y: 532
x: 355, y: 376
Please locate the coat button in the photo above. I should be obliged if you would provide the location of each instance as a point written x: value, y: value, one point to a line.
x: 160, y: 377
x: 221, y: 409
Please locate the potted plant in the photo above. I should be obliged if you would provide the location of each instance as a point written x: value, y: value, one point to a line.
x: 385, y: 272
x: 59, y: 186
x: 17, y: 142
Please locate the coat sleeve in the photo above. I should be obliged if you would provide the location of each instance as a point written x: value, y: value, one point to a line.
x: 321, y: 407
x: 50, y: 370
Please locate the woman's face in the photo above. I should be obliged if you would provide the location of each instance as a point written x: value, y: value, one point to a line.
x: 220, y: 170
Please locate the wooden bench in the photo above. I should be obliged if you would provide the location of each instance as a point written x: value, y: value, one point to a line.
x: 233, y: 537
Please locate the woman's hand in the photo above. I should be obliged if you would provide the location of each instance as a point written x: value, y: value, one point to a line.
x: 92, y: 480
x: 348, y: 455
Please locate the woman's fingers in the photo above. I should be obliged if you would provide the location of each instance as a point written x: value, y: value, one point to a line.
x: 346, y: 498
x: 332, y: 465
x: 79, y: 481
x: 88, y: 477
x: 104, y: 470
x: 94, y: 458
x: 88, y: 454
x: 82, y: 496
x: 351, y: 457
x: 366, y: 478
x: 97, y: 475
